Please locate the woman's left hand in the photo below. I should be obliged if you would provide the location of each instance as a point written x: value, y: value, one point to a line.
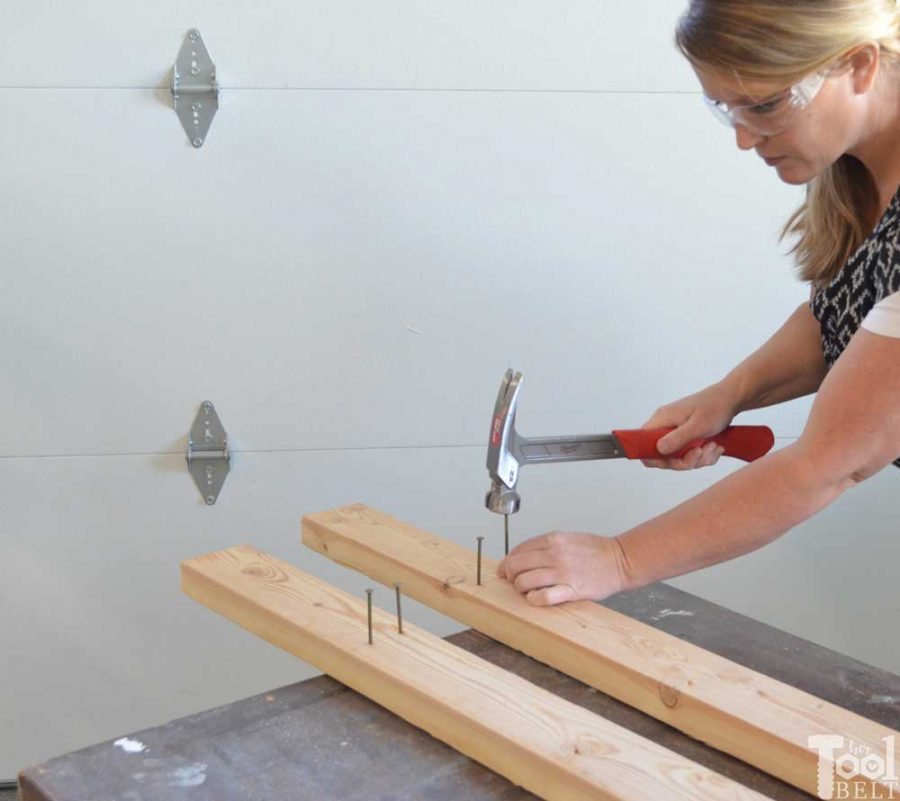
x: 566, y: 566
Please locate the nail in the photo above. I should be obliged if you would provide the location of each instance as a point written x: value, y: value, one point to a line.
x: 480, y: 540
x: 399, y: 613
x: 369, y: 603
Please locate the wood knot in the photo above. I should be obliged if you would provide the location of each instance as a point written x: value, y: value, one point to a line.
x: 450, y: 581
x: 264, y: 572
x: 669, y: 695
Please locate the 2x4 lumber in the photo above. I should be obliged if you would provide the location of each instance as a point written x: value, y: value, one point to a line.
x: 751, y: 716
x: 544, y: 743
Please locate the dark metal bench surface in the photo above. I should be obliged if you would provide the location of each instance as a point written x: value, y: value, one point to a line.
x: 318, y: 740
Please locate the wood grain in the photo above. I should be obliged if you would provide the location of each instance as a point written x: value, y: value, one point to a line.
x: 544, y: 743
x: 744, y: 713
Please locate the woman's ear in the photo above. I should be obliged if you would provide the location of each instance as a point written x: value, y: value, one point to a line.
x: 863, y: 63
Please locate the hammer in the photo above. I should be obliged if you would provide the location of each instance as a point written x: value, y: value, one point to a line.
x: 508, y: 452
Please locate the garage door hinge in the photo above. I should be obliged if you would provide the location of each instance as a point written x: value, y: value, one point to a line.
x: 207, y: 453
x: 195, y: 92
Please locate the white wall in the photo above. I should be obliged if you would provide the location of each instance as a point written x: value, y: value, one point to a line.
x: 395, y: 203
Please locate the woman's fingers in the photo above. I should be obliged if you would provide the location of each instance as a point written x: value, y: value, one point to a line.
x: 548, y: 596
x: 716, y: 454
x: 706, y: 456
x: 521, y: 559
x: 709, y: 454
x: 688, y: 461
x: 540, y: 543
x: 536, y: 579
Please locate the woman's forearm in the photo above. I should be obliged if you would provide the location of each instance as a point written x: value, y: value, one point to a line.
x: 741, y: 513
x: 789, y: 365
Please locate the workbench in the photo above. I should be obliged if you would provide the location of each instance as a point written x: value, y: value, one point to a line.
x: 319, y: 741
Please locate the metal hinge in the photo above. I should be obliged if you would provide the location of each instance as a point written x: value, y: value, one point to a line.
x: 195, y: 92
x: 207, y: 453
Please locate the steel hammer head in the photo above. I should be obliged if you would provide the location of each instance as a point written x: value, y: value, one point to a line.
x: 502, y: 465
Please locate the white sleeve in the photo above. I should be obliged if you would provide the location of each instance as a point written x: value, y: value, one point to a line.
x: 884, y: 317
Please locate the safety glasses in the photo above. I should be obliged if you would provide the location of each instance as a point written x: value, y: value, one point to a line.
x: 774, y: 115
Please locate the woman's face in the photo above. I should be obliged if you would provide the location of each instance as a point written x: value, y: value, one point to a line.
x: 816, y: 136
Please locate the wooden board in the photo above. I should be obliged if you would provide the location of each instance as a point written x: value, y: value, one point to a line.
x: 744, y: 713
x: 544, y: 743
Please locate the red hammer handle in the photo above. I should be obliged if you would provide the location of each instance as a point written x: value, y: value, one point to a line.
x: 742, y: 442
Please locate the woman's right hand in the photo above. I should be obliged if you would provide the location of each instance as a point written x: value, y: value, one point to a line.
x: 703, y: 414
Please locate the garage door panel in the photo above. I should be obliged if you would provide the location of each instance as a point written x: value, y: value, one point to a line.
x: 358, y: 269
x: 419, y: 45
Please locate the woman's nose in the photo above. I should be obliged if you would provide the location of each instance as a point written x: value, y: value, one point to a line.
x: 746, y: 139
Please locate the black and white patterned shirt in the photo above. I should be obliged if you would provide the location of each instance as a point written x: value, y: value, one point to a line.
x: 870, y: 277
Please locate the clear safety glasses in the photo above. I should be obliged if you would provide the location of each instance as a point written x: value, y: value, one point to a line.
x: 774, y: 115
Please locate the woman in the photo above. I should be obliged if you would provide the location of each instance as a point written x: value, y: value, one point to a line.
x: 813, y: 86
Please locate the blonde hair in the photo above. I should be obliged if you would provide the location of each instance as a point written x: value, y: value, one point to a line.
x: 783, y: 41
